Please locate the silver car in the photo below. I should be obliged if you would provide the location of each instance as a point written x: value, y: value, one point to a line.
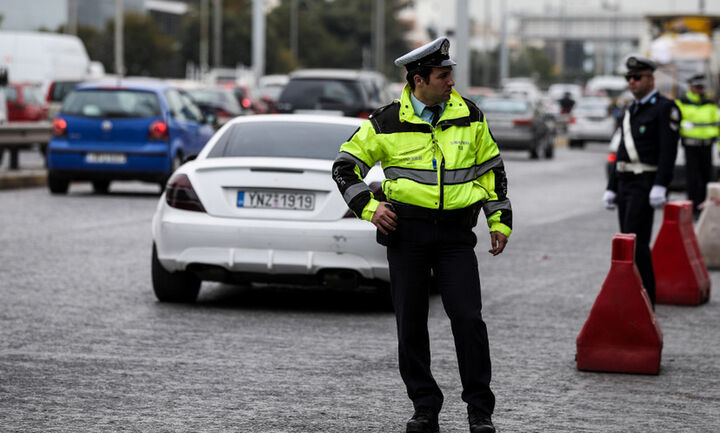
x: 519, y: 124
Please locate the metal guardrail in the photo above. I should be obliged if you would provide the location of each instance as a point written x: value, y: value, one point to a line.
x: 15, y: 136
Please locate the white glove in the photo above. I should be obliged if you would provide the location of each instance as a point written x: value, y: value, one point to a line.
x: 609, y: 199
x: 658, y: 196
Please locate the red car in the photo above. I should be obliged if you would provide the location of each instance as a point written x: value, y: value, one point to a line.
x: 25, y: 102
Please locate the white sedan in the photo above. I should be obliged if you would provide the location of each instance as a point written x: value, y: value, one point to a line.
x: 259, y: 205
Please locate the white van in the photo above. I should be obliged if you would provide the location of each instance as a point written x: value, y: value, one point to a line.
x: 41, y: 57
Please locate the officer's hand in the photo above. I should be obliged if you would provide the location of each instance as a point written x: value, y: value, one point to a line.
x: 384, y: 218
x: 658, y: 196
x: 497, y: 242
x: 609, y: 199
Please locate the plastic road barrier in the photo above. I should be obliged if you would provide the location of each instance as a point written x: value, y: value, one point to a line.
x: 680, y: 274
x: 707, y: 229
x: 621, y: 334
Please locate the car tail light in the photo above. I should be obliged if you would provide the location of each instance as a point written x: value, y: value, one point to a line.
x: 376, y: 188
x: 246, y: 103
x: 180, y: 194
x: 48, y: 98
x: 522, y: 122
x: 363, y: 115
x: 158, y: 131
x: 572, y: 120
x: 611, y: 157
x: 59, y: 127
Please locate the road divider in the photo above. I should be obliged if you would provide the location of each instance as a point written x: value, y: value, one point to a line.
x: 621, y: 333
x: 681, y: 277
x: 707, y: 230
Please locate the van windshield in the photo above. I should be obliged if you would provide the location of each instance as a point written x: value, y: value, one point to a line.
x: 111, y: 103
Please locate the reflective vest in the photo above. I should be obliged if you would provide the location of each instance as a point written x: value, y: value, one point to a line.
x: 453, y: 165
x: 699, y: 117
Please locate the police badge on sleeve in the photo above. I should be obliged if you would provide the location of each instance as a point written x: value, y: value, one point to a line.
x: 674, y: 118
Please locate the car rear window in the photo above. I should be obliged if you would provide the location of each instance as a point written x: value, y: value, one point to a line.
x: 504, y: 105
x: 282, y: 139
x: 111, y: 103
x: 60, y: 90
x: 309, y: 92
x: 33, y: 95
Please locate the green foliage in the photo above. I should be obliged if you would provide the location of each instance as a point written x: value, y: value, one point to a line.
x: 532, y: 62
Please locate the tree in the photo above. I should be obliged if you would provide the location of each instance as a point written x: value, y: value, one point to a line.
x: 147, y: 51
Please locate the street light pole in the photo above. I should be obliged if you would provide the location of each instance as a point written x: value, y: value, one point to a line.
x: 217, y: 33
x: 258, y: 39
x: 294, y: 4
x: 119, y: 57
x: 379, y: 35
x: 462, y: 37
x: 204, y: 51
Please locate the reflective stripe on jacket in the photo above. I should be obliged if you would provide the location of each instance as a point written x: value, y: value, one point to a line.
x: 451, y: 166
x: 703, y: 115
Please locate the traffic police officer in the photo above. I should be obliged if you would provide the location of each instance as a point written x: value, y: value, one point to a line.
x: 645, y: 162
x: 442, y: 166
x: 698, y: 133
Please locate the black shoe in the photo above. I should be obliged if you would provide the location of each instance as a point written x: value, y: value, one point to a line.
x: 424, y: 420
x: 479, y: 421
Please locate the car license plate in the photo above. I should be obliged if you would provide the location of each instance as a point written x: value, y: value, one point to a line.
x: 105, y: 158
x: 276, y: 200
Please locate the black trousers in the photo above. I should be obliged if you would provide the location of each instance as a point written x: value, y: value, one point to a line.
x: 418, y: 247
x: 636, y: 216
x: 698, y: 173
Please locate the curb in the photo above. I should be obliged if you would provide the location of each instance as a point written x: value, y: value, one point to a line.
x: 24, y: 179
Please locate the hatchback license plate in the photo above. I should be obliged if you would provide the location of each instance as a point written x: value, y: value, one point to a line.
x: 276, y: 200
x: 105, y: 158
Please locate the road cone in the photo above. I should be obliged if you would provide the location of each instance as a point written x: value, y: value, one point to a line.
x: 680, y: 274
x: 707, y: 230
x: 621, y: 334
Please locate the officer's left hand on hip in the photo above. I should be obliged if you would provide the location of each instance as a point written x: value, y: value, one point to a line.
x: 497, y: 242
x: 658, y: 196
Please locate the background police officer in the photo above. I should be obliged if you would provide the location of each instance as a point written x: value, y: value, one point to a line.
x: 698, y: 133
x: 442, y: 167
x: 645, y: 162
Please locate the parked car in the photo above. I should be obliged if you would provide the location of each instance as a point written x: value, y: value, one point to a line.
x: 134, y: 129
x: 343, y: 92
x: 57, y: 91
x: 519, y: 124
x: 259, y: 205
x: 218, y: 102
x: 25, y: 102
x: 591, y: 120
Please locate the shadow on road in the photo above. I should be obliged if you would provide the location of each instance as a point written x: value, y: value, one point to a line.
x: 293, y: 299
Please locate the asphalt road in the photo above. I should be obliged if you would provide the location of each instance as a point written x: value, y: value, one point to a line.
x: 84, y: 346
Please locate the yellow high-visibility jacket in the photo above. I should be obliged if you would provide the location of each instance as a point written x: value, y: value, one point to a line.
x: 450, y: 166
x: 702, y: 114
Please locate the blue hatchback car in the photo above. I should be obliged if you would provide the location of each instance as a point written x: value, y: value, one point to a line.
x: 123, y: 130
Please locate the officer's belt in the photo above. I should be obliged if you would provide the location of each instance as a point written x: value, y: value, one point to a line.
x: 687, y: 141
x: 634, y: 167
x: 465, y: 217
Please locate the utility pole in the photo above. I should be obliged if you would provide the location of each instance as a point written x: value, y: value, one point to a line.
x: 504, y: 61
x: 72, y: 18
x: 486, y: 35
x: 701, y: 6
x: 204, y: 43
x: 258, y: 39
x: 217, y: 33
x: 462, y: 39
x: 294, y: 5
x: 119, y: 56
x: 379, y: 35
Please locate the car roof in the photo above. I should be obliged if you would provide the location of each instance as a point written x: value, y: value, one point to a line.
x: 147, y: 84
x: 305, y: 118
x: 343, y: 74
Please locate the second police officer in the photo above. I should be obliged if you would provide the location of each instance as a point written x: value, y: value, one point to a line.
x: 698, y: 133
x: 442, y: 167
x: 645, y: 161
